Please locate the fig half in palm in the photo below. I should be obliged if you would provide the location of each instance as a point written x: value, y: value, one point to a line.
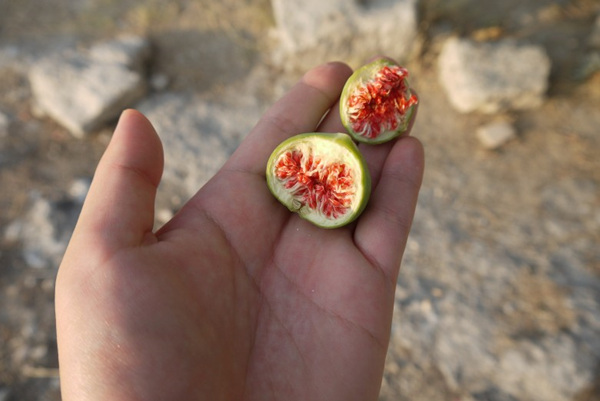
x: 376, y: 104
x: 322, y: 177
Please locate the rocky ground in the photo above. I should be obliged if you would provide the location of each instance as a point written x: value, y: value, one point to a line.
x: 499, y: 296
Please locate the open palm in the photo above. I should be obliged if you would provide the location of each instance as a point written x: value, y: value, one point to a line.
x: 235, y: 298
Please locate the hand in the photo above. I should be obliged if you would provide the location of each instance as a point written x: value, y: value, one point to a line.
x: 235, y: 298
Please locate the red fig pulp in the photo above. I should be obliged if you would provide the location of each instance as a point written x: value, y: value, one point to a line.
x: 377, y: 104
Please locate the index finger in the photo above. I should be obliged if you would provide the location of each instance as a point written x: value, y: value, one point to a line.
x: 299, y: 111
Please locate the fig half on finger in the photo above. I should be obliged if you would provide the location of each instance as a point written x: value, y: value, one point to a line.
x: 322, y: 177
x: 377, y: 104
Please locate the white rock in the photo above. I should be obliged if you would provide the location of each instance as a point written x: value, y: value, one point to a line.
x: 496, y: 134
x: 129, y: 51
x: 41, y: 247
x: 493, y: 77
x: 79, y: 189
x: 194, y: 144
x: 538, y: 375
x: 315, y: 31
x: 82, y: 91
x: 198, y: 135
x: 44, y: 231
x: 12, y: 232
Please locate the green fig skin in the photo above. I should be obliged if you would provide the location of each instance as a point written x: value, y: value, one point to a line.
x: 331, y: 148
x: 365, y: 76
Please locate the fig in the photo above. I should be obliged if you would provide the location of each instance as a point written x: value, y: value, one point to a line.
x: 322, y: 177
x: 376, y: 104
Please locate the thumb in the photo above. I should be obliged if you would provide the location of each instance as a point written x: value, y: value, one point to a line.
x: 119, y: 209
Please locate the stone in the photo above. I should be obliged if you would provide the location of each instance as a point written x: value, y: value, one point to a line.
x: 492, y: 77
x: 129, y: 51
x: 532, y: 373
x: 314, y: 31
x: 198, y: 135
x: 44, y: 231
x: 496, y: 134
x: 79, y: 189
x: 195, y: 144
x: 84, y: 90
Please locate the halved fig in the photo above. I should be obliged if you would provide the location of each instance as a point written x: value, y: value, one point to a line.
x: 376, y: 104
x: 322, y: 177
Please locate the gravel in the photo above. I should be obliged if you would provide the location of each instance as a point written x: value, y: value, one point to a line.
x: 497, y: 299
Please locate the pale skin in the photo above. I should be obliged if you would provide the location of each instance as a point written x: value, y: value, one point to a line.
x: 235, y: 298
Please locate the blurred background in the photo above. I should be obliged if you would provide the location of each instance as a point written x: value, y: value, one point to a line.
x: 499, y: 294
